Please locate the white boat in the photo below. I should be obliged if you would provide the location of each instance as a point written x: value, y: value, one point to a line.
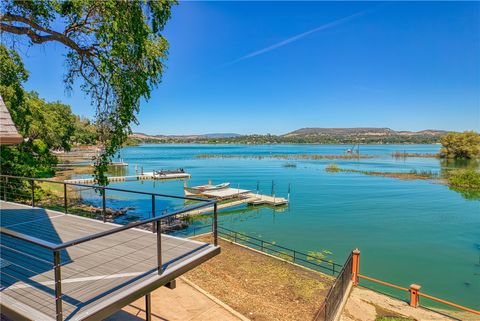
x: 197, y: 190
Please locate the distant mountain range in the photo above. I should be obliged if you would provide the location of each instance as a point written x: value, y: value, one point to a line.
x: 182, y: 137
x: 347, y: 133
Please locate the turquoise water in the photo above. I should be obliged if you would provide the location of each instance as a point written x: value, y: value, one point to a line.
x: 408, y: 231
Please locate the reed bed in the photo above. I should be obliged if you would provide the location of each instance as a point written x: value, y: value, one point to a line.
x: 285, y: 156
x: 399, y: 154
x: 413, y: 174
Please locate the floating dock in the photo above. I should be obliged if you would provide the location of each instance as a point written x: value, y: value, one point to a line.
x: 140, y: 177
x: 237, y: 197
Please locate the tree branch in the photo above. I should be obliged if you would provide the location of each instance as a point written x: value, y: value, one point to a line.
x: 37, y: 38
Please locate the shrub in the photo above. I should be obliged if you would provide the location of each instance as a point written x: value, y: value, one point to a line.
x: 464, y: 178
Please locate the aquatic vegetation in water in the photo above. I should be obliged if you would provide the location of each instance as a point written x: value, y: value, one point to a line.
x: 332, y: 168
x: 319, y: 257
x: 464, y: 181
x: 290, y: 165
x: 399, y: 154
x: 413, y: 174
x: 286, y: 156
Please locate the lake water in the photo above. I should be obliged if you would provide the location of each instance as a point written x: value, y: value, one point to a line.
x: 415, y: 231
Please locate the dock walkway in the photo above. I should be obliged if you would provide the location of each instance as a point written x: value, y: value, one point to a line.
x: 140, y: 177
x: 238, y: 197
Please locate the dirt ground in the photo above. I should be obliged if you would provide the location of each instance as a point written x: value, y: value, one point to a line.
x: 259, y: 286
x: 367, y: 305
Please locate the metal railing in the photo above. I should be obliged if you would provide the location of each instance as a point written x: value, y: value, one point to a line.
x: 336, y: 294
x: 56, y: 248
x: 415, y: 295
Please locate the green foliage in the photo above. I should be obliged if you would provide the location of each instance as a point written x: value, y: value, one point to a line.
x: 115, y: 49
x: 45, y: 126
x: 393, y: 319
x: 465, y: 181
x: 32, y: 157
x: 85, y: 132
x: 52, y: 123
x: 461, y: 145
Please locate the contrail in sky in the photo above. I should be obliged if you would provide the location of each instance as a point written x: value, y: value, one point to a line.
x: 299, y: 36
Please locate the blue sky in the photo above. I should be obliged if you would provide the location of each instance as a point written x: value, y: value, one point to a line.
x: 273, y: 67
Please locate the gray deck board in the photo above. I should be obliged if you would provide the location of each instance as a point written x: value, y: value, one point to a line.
x: 95, y: 273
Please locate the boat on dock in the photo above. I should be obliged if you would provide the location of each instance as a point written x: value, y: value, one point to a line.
x: 202, y: 189
x: 165, y: 172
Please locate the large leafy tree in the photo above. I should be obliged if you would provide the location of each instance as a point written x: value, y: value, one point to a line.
x: 461, y: 145
x: 31, y: 158
x: 116, y: 51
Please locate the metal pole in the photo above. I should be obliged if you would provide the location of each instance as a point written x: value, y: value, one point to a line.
x: 104, y: 210
x: 159, y: 247
x: 33, y: 193
x: 215, y: 227
x: 65, y: 198
x: 148, y: 307
x: 58, y: 285
x: 153, y: 213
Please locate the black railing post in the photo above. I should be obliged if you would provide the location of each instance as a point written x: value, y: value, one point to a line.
x: 33, y: 192
x: 5, y: 189
x: 65, y: 201
x: 262, y: 245
x: 294, y: 255
x: 153, y: 213
x: 58, y: 285
x: 159, y: 246
x: 148, y: 307
x: 104, y: 209
x: 215, y: 226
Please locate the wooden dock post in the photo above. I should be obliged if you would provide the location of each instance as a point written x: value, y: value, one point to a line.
x: 414, y: 295
x: 355, y: 266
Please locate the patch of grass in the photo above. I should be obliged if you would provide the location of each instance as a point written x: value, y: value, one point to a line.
x: 393, y: 319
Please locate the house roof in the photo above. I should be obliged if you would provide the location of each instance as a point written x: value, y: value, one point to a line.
x: 8, y: 132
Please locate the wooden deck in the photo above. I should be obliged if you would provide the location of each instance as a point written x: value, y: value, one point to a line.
x: 98, y: 277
